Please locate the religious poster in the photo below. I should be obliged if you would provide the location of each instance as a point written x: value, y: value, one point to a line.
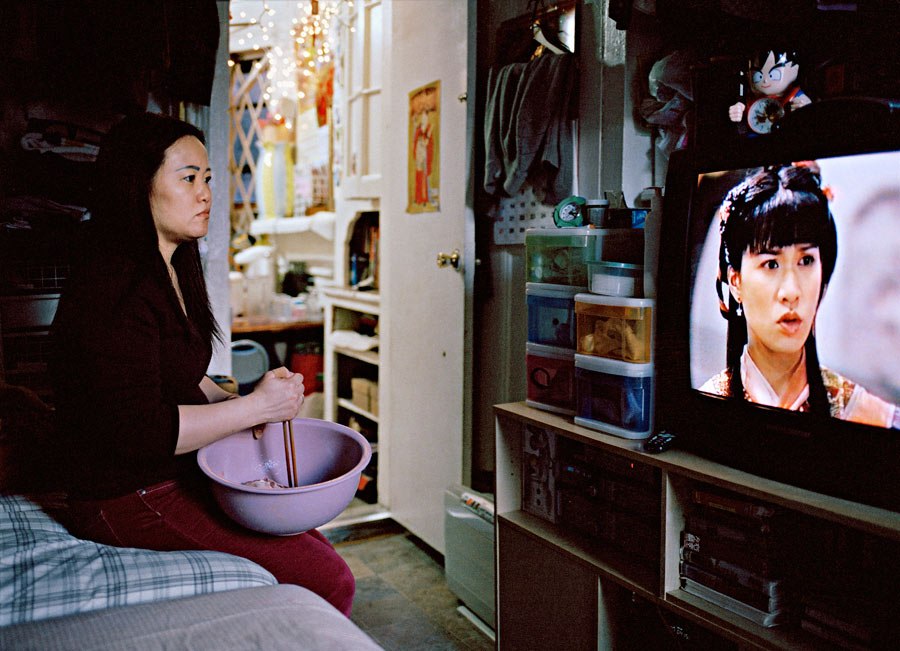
x: 424, y: 179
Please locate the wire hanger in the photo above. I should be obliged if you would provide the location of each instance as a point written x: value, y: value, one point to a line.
x: 547, y: 38
x: 538, y: 32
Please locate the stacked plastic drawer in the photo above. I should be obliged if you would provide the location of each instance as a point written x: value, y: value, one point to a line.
x: 557, y: 270
x: 614, y: 340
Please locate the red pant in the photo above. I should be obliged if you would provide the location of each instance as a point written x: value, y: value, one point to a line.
x: 181, y: 515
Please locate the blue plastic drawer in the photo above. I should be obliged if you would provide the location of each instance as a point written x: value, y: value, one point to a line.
x: 551, y: 314
x: 614, y: 396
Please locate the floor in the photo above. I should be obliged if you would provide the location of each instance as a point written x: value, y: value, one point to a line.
x: 402, y: 600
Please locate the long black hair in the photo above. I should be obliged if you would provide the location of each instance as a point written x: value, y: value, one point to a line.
x: 130, y: 155
x: 774, y: 207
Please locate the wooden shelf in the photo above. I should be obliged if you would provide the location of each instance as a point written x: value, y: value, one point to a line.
x: 680, y: 471
x: 349, y: 405
x: 608, y: 561
x: 363, y: 300
x: 872, y: 519
x: 346, y: 308
x: 737, y: 628
x: 368, y: 356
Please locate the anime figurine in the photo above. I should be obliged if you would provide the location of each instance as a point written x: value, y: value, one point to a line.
x: 774, y: 91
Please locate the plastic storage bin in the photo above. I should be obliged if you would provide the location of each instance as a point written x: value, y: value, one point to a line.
x: 615, y: 327
x: 615, y: 278
x: 558, y: 256
x: 613, y: 396
x: 618, y: 245
x: 625, y: 217
x: 551, y: 378
x: 595, y: 211
x: 551, y: 314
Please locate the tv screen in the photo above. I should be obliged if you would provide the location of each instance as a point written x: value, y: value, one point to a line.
x: 778, y: 330
x: 780, y: 290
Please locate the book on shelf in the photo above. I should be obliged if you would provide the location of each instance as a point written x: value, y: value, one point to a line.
x: 767, y: 563
x: 864, y: 620
x: 726, y: 533
x: 732, y: 572
x: 618, y: 466
x: 635, y: 499
x: 728, y: 525
x: 760, y: 600
x: 731, y: 604
x: 736, y: 505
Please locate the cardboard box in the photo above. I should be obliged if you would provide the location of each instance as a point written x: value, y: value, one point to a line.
x: 365, y: 394
x: 373, y: 399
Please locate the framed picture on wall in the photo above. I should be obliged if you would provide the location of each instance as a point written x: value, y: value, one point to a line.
x: 423, y: 168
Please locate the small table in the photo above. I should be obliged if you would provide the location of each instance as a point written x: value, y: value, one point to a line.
x: 267, y: 331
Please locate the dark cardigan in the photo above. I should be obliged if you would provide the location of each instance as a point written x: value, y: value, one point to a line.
x: 125, y: 356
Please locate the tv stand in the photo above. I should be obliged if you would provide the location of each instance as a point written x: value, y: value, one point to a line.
x: 560, y: 589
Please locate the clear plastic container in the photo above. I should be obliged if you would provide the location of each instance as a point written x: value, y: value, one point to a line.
x: 551, y: 378
x: 615, y: 278
x: 595, y: 211
x: 558, y: 255
x: 551, y: 314
x: 618, y: 245
x: 613, y: 396
x: 615, y: 327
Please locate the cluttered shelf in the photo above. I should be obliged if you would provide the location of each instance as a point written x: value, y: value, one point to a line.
x: 580, y: 493
x: 864, y: 517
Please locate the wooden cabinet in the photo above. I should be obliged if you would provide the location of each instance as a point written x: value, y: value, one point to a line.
x: 539, y: 556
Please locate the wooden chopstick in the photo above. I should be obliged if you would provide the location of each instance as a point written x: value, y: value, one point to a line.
x: 293, y: 454
x: 287, y: 452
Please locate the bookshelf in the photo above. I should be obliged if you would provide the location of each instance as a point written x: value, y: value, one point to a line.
x: 348, y: 309
x: 612, y: 579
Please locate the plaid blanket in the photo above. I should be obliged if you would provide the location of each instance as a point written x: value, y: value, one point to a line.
x: 46, y: 572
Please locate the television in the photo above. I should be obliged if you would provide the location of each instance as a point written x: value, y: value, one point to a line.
x: 855, y: 146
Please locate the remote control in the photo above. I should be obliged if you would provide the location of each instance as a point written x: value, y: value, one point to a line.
x: 659, y: 442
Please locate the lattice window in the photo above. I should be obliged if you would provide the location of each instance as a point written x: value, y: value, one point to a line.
x: 248, y: 106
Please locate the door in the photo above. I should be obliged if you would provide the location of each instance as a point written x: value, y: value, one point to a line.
x: 426, y: 311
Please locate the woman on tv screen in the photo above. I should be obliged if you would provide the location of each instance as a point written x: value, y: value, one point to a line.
x: 777, y: 253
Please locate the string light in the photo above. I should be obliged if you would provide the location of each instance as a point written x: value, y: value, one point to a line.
x: 307, y: 26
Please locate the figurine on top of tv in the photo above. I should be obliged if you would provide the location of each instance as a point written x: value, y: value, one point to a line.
x: 773, y: 91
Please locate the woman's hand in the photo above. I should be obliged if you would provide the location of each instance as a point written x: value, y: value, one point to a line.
x: 278, y: 395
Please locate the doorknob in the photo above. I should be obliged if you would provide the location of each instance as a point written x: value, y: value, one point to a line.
x: 452, y: 259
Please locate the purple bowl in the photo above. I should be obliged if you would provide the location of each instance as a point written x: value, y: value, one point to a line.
x: 330, y: 459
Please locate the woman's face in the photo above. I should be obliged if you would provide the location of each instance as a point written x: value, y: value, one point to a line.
x: 180, y: 193
x: 779, y: 293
